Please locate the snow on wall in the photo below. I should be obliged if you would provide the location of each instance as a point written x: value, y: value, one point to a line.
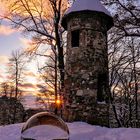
x: 92, y: 5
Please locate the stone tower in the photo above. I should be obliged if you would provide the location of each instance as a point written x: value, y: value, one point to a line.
x: 86, y: 81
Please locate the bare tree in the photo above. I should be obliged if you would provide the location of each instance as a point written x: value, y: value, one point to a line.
x: 49, y: 74
x: 126, y: 17
x: 4, y: 89
x: 124, y: 63
x: 123, y: 42
x: 7, y: 89
x: 16, y: 66
x: 40, y: 18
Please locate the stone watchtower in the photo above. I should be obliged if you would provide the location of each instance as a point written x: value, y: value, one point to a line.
x: 86, y: 81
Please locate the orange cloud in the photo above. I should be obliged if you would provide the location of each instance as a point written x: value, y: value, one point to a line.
x: 25, y: 42
x: 28, y: 85
x: 2, y: 8
x: 31, y: 74
x: 29, y: 46
x: 6, y: 30
x: 1, y: 78
x: 4, y: 59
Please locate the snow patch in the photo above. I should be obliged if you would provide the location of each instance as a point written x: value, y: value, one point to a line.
x: 92, y: 5
x: 79, y: 131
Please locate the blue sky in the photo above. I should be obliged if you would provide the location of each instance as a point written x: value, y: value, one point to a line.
x: 8, y: 43
x: 11, y: 40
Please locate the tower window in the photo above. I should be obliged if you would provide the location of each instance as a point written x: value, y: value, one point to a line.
x: 75, y: 36
x: 102, y: 78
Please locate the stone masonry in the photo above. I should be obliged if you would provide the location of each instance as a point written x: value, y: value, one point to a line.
x: 86, y: 81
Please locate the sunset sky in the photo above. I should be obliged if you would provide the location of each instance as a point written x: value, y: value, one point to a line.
x: 11, y: 40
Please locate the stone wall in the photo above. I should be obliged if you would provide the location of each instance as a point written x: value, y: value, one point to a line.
x: 84, y: 65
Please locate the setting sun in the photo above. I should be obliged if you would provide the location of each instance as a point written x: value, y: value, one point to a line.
x: 58, y: 102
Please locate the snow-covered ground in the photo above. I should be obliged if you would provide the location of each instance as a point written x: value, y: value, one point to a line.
x: 79, y: 131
